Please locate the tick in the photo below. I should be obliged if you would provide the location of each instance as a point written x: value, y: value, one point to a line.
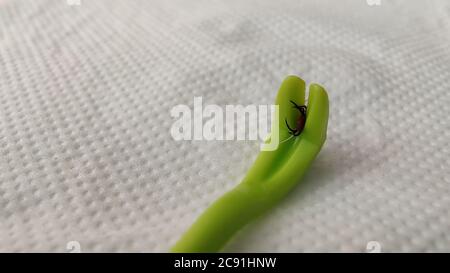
x: 301, y: 120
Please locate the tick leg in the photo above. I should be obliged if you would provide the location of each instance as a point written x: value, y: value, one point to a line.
x: 291, y: 131
x: 295, y: 104
x: 300, y: 108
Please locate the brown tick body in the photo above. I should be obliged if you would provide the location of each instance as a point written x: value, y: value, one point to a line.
x: 300, y: 121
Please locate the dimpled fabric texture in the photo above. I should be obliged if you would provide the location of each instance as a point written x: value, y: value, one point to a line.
x: 86, y: 92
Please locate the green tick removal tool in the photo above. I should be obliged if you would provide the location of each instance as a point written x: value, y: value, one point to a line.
x: 302, y: 131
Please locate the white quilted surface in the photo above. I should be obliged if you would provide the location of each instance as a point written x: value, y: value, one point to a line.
x: 86, y: 93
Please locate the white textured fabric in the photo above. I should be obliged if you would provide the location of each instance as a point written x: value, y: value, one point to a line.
x: 86, y: 92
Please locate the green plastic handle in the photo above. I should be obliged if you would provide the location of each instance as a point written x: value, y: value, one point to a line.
x: 273, y: 174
